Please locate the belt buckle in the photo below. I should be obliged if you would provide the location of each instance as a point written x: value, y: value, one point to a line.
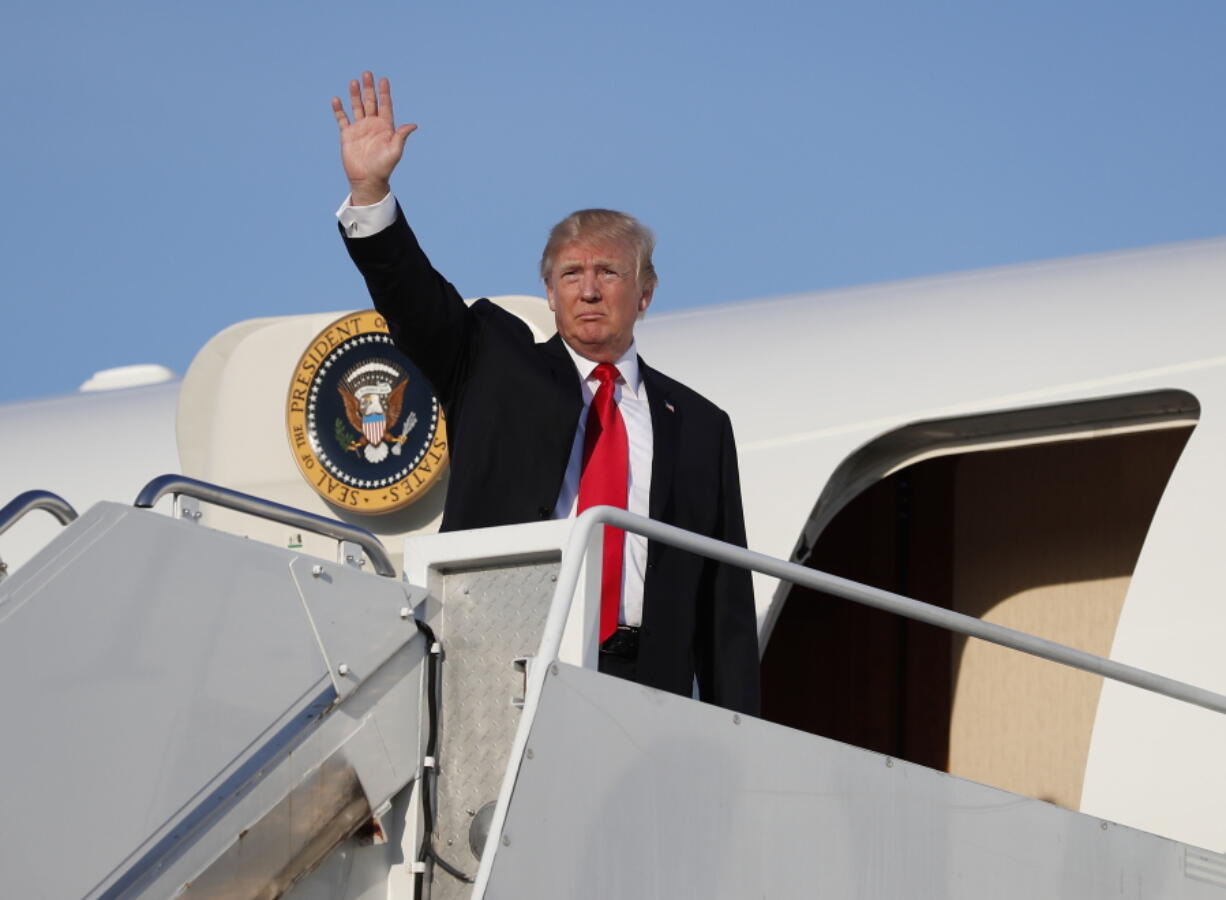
x: 623, y: 642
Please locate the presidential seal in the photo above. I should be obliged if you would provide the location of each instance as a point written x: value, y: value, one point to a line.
x: 364, y: 425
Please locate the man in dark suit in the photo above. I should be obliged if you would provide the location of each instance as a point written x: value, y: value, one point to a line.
x: 525, y: 418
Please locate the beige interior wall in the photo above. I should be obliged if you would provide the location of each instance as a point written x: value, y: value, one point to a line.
x: 1045, y: 541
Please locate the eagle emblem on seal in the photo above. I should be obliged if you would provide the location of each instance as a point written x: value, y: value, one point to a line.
x: 373, y: 394
x: 364, y: 425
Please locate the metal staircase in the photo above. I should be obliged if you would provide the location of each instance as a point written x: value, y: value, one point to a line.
x: 203, y: 715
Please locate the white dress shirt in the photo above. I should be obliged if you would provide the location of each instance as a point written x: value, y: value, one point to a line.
x: 631, y: 397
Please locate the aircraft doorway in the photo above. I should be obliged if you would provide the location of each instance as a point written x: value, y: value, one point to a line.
x: 1039, y: 532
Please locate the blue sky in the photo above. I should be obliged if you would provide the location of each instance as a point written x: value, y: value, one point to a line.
x: 170, y: 169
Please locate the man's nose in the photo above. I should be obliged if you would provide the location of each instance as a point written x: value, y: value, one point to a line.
x: 590, y: 286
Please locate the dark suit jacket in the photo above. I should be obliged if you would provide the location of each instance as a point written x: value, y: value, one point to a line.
x: 512, y: 408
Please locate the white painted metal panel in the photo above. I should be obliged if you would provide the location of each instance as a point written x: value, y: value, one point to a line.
x: 623, y: 791
x: 175, y: 693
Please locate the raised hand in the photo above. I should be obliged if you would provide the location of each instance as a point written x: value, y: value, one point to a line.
x: 371, y: 145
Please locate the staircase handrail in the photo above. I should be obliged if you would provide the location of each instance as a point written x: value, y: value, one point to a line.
x: 814, y: 579
x: 181, y: 485
x: 28, y: 501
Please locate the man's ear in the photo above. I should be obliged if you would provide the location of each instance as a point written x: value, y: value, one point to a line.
x: 553, y: 306
x: 645, y: 300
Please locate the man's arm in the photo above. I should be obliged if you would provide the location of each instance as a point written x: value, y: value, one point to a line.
x: 426, y: 316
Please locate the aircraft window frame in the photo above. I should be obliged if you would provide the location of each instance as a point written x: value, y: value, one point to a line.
x: 930, y: 438
x: 926, y: 439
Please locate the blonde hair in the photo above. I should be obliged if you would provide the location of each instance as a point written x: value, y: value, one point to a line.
x: 604, y: 224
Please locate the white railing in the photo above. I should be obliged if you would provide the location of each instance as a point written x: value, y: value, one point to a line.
x: 848, y: 590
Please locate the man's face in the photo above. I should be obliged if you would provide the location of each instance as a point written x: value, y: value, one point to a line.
x: 595, y: 296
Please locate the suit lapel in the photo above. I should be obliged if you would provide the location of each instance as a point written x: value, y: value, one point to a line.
x: 563, y: 406
x: 665, y: 427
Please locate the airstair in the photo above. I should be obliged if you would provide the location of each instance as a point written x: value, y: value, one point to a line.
x: 192, y: 713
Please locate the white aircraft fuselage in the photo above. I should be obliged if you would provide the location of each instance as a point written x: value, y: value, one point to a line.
x: 1051, y: 434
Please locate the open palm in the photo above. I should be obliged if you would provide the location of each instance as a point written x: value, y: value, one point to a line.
x: 371, y: 144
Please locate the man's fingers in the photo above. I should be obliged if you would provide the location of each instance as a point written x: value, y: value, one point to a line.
x: 338, y: 110
x: 402, y: 135
x: 369, y: 103
x: 355, y: 101
x: 385, y: 100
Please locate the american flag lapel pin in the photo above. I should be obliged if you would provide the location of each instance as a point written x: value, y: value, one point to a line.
x: 669, y: 407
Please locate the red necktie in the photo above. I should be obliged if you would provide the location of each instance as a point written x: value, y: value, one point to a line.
x: 606, y: 461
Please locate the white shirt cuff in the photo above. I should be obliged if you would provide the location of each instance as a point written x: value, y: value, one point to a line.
x: 365, y: 221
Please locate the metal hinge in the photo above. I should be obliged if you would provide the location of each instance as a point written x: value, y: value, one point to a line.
x: 351, y: 554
